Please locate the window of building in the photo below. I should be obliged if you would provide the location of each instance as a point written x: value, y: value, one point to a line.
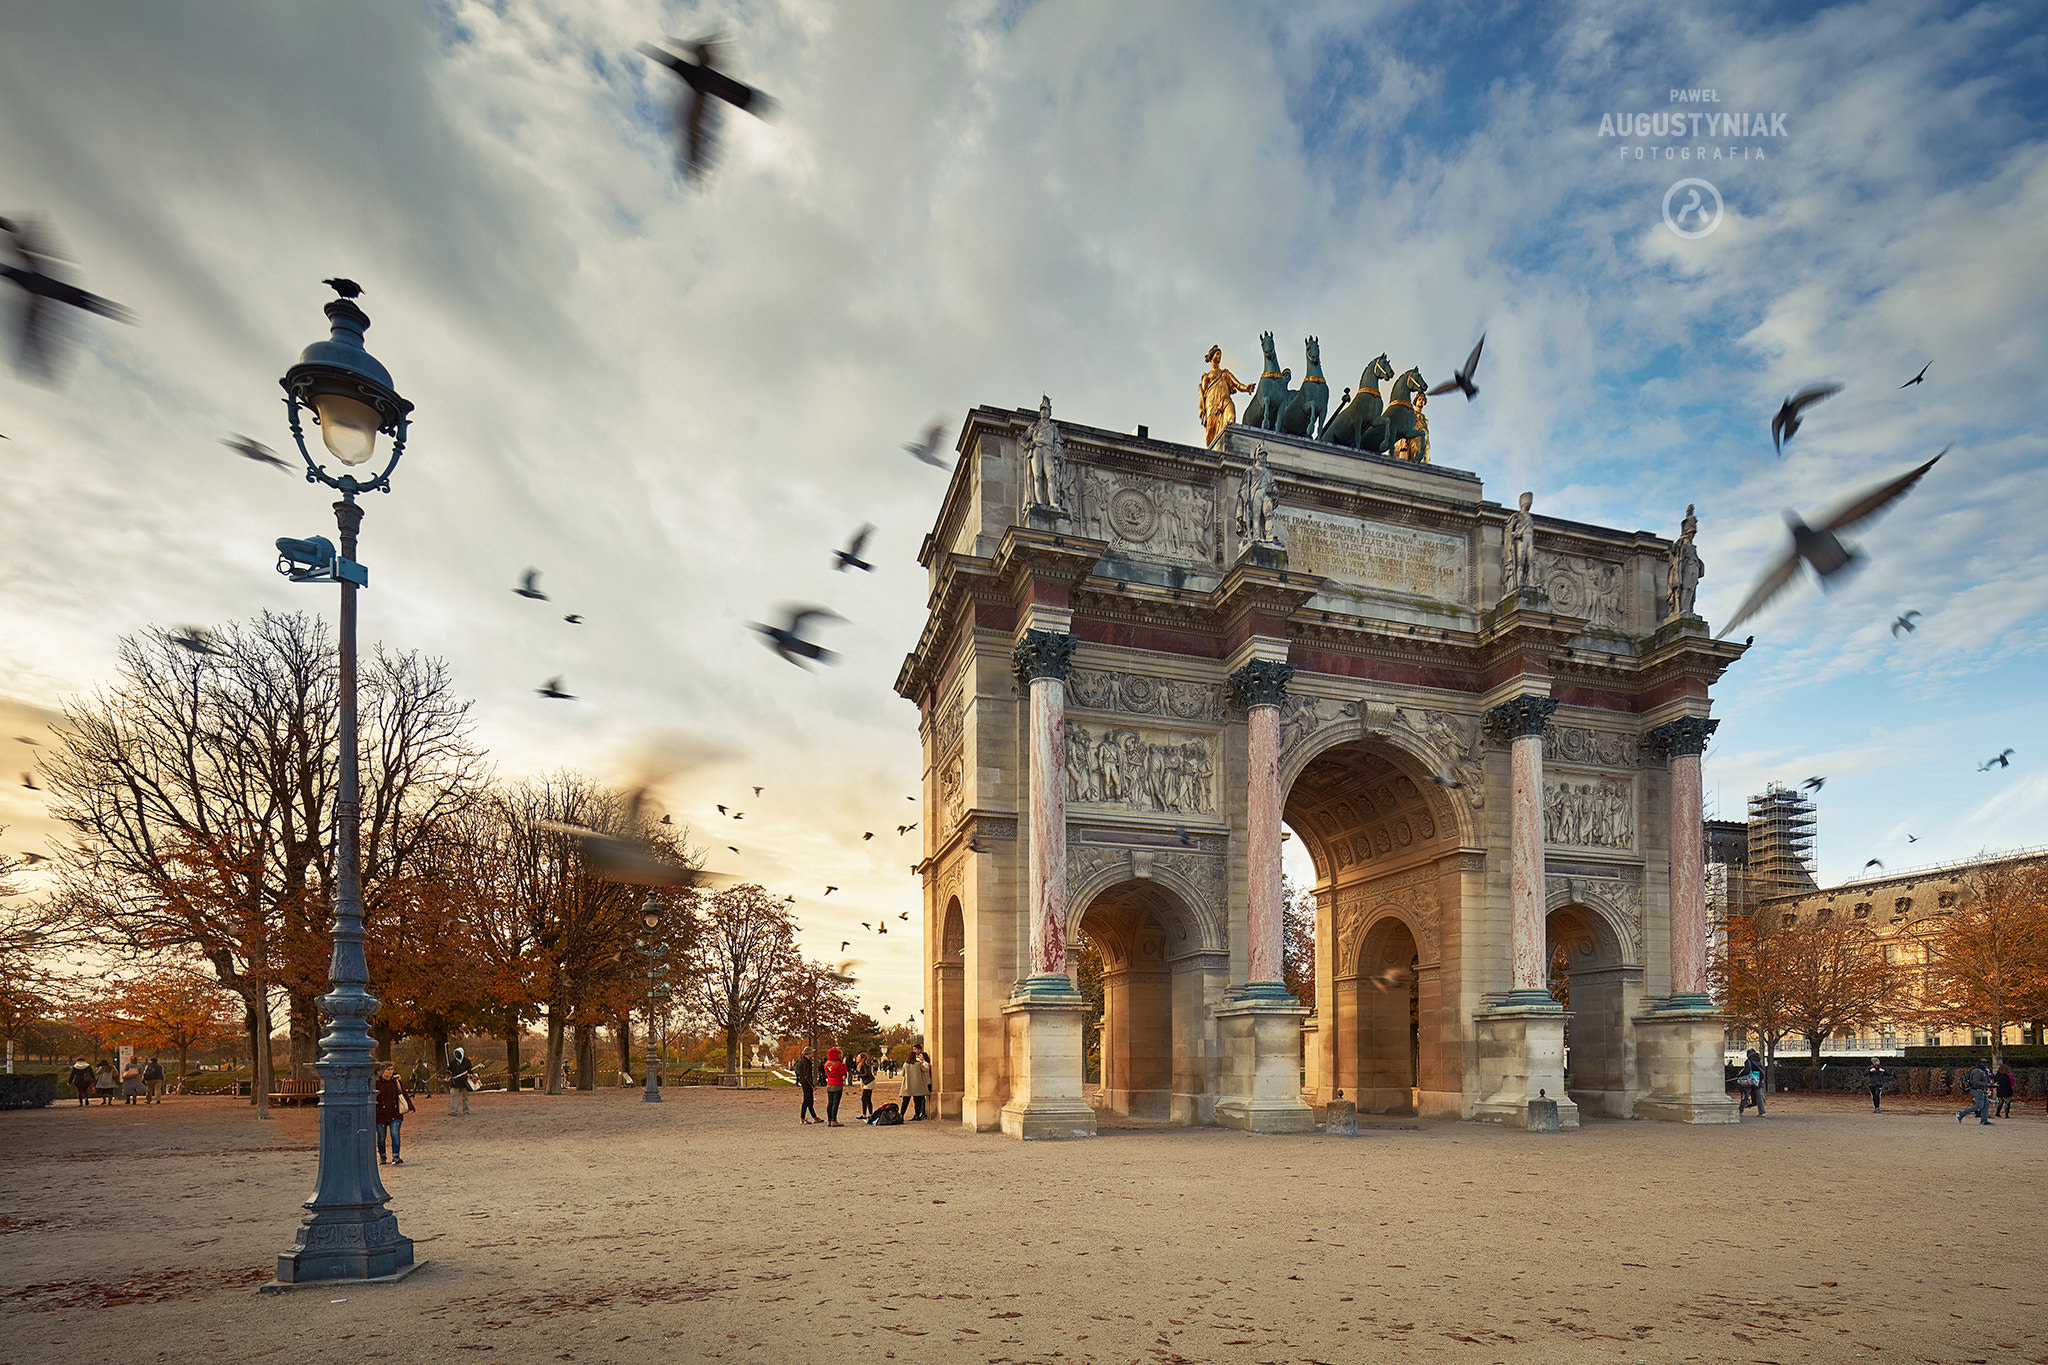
x: 1891, y: 952
x: 1932, y: 1038
x: 1980, y: 1037
x: 1891, y: 1037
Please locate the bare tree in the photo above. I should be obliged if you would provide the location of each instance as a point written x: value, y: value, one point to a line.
x: 814, y: 1003
x: 745, y: 954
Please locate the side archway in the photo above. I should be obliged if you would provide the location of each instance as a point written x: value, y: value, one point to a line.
x: 1161, y: 979
x: 949, y: 1011
x: 1590, y: 976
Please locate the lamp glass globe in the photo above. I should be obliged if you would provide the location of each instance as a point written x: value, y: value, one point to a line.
x: 348, y: 426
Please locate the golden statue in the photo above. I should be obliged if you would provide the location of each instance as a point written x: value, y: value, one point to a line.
x: 1218, y: 389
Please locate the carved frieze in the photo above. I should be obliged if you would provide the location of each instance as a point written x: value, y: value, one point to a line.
x: 1582, y: 811
x: 1139, y: 694
x: 1148, y: 770
x: 1596, y: 748
x: 1158, y: 518
x: 1620, y: 896
x: 1587, y: 588
x: 1301, y: 716
x: 1454, y: 742
x: 1202, y: 874
x: 1411, y: 896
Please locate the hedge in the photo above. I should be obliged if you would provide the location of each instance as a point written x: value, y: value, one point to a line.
x: 2028, y: 1082
x: 28, y: 1091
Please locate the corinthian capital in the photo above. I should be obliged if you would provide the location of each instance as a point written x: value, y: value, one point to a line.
x: 1262, y: 682
x: 1686, y: 735
x: 1044, y: 654
x: 1522, y: 717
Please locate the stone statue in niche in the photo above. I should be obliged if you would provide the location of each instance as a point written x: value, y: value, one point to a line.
x: 1589, y: 814
x: 1047, y: 455
x: 1683, y: 570
x: 1120, y: 767
x: 1257, y: 501
x: 1518, y: 549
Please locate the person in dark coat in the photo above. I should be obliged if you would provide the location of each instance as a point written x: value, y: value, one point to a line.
x: 153, y: 1077
x: 389, y: 1096
x: 461, y: 1080
x: 916, y: 1084
x: 807, y: 1078
x: 1873, y: 1080
x: 1977, y: 1082
x: 422, y: 1078
x: 1752, y: 1083
x: 82, y: 1081
x: 2003, y: 1080
x: 864, y: 1072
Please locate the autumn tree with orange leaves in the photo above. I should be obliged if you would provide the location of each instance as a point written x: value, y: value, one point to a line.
x: 1987, y: 963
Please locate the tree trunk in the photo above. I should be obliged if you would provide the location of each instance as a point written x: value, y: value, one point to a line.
x: 554, y: 1049
x: 622, y: 1033
x: 259, y: 1058
x: 181, y: 1067
x: 732, y: 1053
x: 305, y: 1021
x: 382, y: 1032
x: 586, y: 1056
x: 1813, y: 1048
x: 439, y: 1038
x: 512, y: 1057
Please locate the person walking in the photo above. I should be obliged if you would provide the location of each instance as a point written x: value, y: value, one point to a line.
x: 422, y: 1078
x: 390, y: 1094
x: 1874, y: 1080
x: 916, y: 1081
x: 835, y: 1085
x: 153, y: 1077
x: 81, y: 1081
x: 864, y: 1072
x: 1752, y: 1082
x: 807, y: 1077
x: 1978, y: 1082
x: 2003, y: 1082
x: 461, y: 1080
x: 131, y: 1082
x: 103, y: 1083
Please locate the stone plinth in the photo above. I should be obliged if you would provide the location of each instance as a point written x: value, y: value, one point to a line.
x: 1679, y: 1059
x: 1042, y: 1023
x: 1521, y: 1058
x: 1261, y: 1080
x: 1341, y: 1119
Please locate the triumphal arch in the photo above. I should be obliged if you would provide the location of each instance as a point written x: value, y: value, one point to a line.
x: 1144, y: 658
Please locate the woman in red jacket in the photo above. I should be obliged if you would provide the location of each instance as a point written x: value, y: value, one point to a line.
x: 835, y: 1085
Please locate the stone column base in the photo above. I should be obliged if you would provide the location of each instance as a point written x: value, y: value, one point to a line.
x: 1042, y: 1024
x: 1679, y: 1060
x: 1521, y: 1058
x: 1261, y: 1072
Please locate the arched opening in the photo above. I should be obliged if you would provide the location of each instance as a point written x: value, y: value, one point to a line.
x: 949, y: 1047
x: 1379, y: 1015
x: 1153, y: 1061
x: 1588, y: 977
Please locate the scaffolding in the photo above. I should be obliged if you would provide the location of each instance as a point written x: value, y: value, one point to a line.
x: 1781, y: 833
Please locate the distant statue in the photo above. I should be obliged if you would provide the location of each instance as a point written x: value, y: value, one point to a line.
x: 1357, y: 418
x: 1048, y: 455
x: 1270, y: 397
x: 1257, y: 500
x: 1401, y: 419
x: 1218, y: 389
x: 1415, y: 445
x: 1518, y: 550
x: 1683, y: 569
x: 1309, y: 405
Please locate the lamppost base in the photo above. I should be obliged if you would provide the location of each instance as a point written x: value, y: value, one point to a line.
x: 286, y: 1286
x: 340, y: 1246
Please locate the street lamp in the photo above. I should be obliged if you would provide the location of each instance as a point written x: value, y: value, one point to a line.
x: 347, y: 1233
x: 650, y: 919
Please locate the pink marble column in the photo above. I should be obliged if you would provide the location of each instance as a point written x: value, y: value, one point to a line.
x: 1523, y: 720
x: 1262, y: 684
x: 1682, y: 742
x: 1043, y: 659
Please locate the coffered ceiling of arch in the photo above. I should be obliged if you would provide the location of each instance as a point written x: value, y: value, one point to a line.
x: 1354, y: 806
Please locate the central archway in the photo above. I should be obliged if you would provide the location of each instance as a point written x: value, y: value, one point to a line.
x: 1601, y: 991
x: 1158, y: 976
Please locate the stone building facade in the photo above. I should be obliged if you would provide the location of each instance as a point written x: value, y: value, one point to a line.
x: 1125, y: 690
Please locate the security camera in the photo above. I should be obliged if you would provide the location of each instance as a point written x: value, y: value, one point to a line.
x: 305, y: 561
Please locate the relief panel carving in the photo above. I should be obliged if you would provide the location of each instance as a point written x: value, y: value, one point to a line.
x: 1454, y: 741
x: 1601, y: 748
x: 1376, y: 555
x: 1589, y: 812
x: 1137, y: 694
x: 1621, y: 897
x: 1588, y: 588
x: 1148, y: 770
x: 1138, y: 514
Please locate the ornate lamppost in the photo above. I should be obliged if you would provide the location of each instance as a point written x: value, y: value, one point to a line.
x: 347, y: 1233
x: 650, y: 919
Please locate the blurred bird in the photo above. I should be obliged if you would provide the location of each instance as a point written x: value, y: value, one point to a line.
x: 788, y: 641
x: 927, y: 449
x: 904, y: 915
x: 697, y: 118
x: 668, y: 819
x: 1186, y: 840
x: 1912, y: 838
x: 885, y: 1009
x: 869, y: 835
x: 529, y: 586
x: 345, y: 287
x: 573, y: 620
x: 842, y: 944
x: 849, y: 558
x: 830, y: 889
x: 973, y: 846
x: 869, y: 927
x: 40, y: 343
x: 1786, y: 424
x: 1904, y: 623
x: 1872, y: 863
x: 631, y: 861
x: 2004, y: 760
x: 553, y: 689
x: 843, y: 971
x: 29, y: 781
x: 1821, y: 547
x: 757, y: 791
x: 33, y: 858
x: 739, y: 815
x: 1918, y: 378
x: 902, y: 830
x: 731, y: 848
x: 1814, y: 784
x: 1388, y: 978
x: 251, y: 449
x: 196, y: 639
x: 24, y: 739
x: 1445, y: 780
x: 723, y: 811
x: 1463, y: 378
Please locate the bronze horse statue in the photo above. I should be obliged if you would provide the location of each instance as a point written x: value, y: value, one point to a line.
x: 1270, y: 398
x: 1350, y: 426
x: 1401, y: 421
x: 1304, y: 411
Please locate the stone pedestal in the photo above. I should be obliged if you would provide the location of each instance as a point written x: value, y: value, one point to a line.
x: 1042, y: 1025
x: 1679, y: 1062
x: 1261, y: 1072
x: 1340, y: 1119
x: 1521, y: 1058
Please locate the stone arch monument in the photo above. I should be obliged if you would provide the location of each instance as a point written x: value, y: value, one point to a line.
x: 1142, y: 658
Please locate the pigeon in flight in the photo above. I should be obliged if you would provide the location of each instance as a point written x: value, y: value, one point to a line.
x: 630, y: 861
x: 33, y: 858
x: 882, y: 928
x: 698, y: 117
x: 1821, y: 547
x: 1814, y: 784
x: 731, y: 849
x: 553, y: 689
x: 902, y: 830
x: 28, y: 780
x: 197, y: 640
x: 345, y: 287
x: 529, y: 586
x: 668, y: 819
x: 723, y: 811
x: 849, y: 558
x: 865, y: 925
x: 1872, y: 863
x: 573, y: 620
x: 1388, y: 978
x: 1919, y: 378
x: 40, y: 344
x: 1186, y: 839
x: 1912, y: 838
x: 842, y: 944
x: 869, y: 835
x: 1462, y: 380
x: 927, y: 449
x: 1445, y: 780
x: 830, y: 889
x: 1905, y: 623
x: 24, y: 739
x: 2004, y: 760
x: 789, y: 642
x: 1786, y: 424
x: 758, y: 790
x: 904, y: 915
x: 251, y: 449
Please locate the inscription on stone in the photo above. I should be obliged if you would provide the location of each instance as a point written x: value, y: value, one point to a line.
x: 1371, y: 554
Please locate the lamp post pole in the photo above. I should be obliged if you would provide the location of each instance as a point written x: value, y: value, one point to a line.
x: 347, y: 1233
x: 650, y: 918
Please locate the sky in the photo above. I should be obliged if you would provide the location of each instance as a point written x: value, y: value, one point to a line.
x: 674, y: 399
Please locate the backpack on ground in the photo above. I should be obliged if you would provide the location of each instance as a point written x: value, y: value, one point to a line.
x: 888, y: 1116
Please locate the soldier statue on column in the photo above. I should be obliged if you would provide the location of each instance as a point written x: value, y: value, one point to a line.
x: 1048, y: 456
x: 1683, y: 570
x: 1518, y: 550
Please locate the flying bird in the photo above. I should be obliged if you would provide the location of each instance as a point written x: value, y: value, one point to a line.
x: 927, y: 449
x: 1872, y: 863
x: 1445, y: 780
x: 573, y: 620
x: 882, y: 928
x: 1918, y: 378
x: 1186, y: 839
x: 529, y: 586
x: 1786, y: 424
x: 758, y: 791
x: 904, y: 915
x: 1388, y: 978
x: 1905, y: 623
x: 631, y: 861
x: 2004, y: 760
x: 902, y: 830
x: 842, y: 944
x: 1814, y: 784
x: 730, y: 848
x: 345, y: 287
x: 40, y: 343
x: 24, y: 739
x: 33, y: 858
x: 723, y: 811
x: 1821, y: 547
x: 27, y: 780
x: 849, y: 558
x: 196, y: 639
x: 250, y: 448
x: 1912, y: 838
x: 865, y: 925
x: 552, y: 688
x: 698, y: 117
x: 830, y: 889
x: 843, y: 972
x: 788, y: 641
x: 869, y: 835
x: 668, y: 819
x: 1462, y: 380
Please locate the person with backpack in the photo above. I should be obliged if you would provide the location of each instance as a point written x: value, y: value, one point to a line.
x: 2003, y: 1081
x: 835, y: 1085
x: 82, y: 1081
x: 864, y: 1072
x: 422, y: 1078
x: 807, y: 1077
x: 153, y: 1077
x: 1752, y: 1082
x: 1977, y: 1081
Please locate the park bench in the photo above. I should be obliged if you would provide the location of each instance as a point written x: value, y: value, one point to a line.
x: 296, y: 1092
